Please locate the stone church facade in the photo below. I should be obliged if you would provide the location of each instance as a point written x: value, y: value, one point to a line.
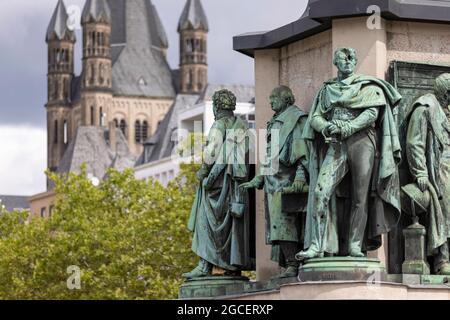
x: 126, y: 81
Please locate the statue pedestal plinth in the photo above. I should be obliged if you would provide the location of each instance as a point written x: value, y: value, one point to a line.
x: 415, y: 258
x: 214, y: 286
x: 342, y: 269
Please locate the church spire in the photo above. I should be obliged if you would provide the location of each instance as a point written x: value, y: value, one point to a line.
x: 193, y: 29
x: 96, y: 11
x: 57, y: 28
x: 193, y: 17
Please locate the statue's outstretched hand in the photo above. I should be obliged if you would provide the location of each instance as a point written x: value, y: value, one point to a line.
x: 255, y: 183
x: 423, y: 182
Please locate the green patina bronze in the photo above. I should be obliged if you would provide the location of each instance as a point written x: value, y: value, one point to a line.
x: 219, y: 218
x: 284, y: 179
x: 354, y: 153
x: 428, y: 153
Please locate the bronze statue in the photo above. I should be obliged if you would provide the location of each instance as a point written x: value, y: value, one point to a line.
x: 428, y: 153
x: 354, y: 152
x: 219, y: 217
x: 284, y: 227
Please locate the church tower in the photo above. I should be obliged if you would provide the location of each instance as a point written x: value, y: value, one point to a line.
x: 193, y: 30
x: 96, y: 87
x: 60, y: 41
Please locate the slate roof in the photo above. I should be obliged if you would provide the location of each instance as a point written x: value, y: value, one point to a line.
x: 319, y: 14
x: 193, y: 16
x: 14, y: 202
x: 138, y: 39
x: 91, y: 146
x: 160, y: 144
x: 96, y: 10
x: 57, y: 28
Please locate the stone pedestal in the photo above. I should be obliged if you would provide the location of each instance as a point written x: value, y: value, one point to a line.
x: 215, y: 286
x: 342, y: 269
x: 415, y: 258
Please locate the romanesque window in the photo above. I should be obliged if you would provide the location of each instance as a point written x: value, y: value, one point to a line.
x: 189, y: 47
x: 100, y: 76
x: 101, y: 117
x: 123, y: 127
x: 116, y: 123
x: 137, y: 131
x: 56, y: 90
x: 55, y: 138
x: 144, y: 131
x: 66, y: 132
x: 197, y: 45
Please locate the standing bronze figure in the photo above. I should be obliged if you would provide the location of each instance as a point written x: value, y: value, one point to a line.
x: 428, y: 152
x: 219, y: 218
x: 354, y: 153
x: 286, y: 177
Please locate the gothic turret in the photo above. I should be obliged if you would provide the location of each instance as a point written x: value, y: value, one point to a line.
x: 193, y: 29
x: 60, y: 40
x: 97, y: 63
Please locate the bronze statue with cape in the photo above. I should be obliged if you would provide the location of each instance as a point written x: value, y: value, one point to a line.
x: 351, y: 129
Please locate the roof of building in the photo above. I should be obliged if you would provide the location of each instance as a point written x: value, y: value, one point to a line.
x: 160, y: 145
x: 320, y: 13
x: 57, y: 28
x: 96, y: 10
x: 138, y: 42
x: 193, y: 16
x: 14, y: 202
x: 91, y: 146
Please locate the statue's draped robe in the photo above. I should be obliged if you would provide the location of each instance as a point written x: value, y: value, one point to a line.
x: 357, y: 92
x: 220, y: 237
x: 292, y: 152
x: 428, y: 151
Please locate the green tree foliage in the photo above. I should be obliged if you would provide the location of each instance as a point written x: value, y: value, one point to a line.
x: 128, y: 237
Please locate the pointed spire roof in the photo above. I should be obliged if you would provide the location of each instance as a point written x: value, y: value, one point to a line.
x: 193, y: 16
x: 58, y: 29
x: 158, y: 33
x: 96, y: 10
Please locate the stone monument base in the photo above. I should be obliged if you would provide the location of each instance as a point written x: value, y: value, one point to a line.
x: 342, y: 269
x: 213, y: 286
x: 349, y: 290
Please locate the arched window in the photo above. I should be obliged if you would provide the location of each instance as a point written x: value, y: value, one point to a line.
x: 56, y: 90
x: 188, y: 46
x: 123, y: 127
x: 92, y: 116
x: 144, y: 131
x: 55, y: 138
x: 116, y: 123
x: 137, y: 131
x: 101, y: 117
x: 66, y: 132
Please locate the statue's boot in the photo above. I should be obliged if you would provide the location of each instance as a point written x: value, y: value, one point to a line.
x: 444, y: 269
x: 356, y: 252
x: 290, y: 272
x: 289, y: 249
x: 308, y: 254
x: 202, y: 270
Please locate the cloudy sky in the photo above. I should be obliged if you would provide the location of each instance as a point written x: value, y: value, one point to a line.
x: 23, y: 68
